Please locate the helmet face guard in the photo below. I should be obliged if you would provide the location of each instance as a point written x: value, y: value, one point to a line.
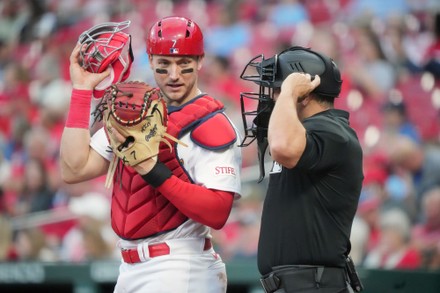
x: 106, y: 45
x: 256, y: 121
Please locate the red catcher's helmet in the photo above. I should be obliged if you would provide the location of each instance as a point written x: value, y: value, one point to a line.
x: 106, y: 45
x: 175, y: 36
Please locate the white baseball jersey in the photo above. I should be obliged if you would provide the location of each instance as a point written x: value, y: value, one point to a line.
x: 212, y: 169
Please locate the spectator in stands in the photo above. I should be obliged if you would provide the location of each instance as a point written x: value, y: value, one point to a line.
x: 40, y: 22
x: 14, y: 156
x: 396, y: 120
x: 426, y: 234
x: 368, y: 69
x: 377, y: 8
x: 368, y: 212
x: 360, y: 234
x: 393, y: 43
x: 49, y: 93
x: 227, y: 34
x: 288, y: 14
x: 391, y: 189
x: 325, y: 40
x: 222, y: 83
x: 7, y: 252
x: 41, y: 144
x: 30, y: 245
x: 4, y: 59
x: 50, y: 97
x: 4, y: 175
x: 239, y: 237
x: 434, y: 260
x: 432, y: 56
x: 393, y: 250
x: 36, y: 194
x: 12, y: 17
x: 421, y: 162
x: 373, y: 185
x: 91, y: 238
x: 14, y: 98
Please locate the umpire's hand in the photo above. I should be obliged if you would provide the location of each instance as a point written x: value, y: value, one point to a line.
x: 299, y: 85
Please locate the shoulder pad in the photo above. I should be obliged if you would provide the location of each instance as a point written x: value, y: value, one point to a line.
x: 214, y: 133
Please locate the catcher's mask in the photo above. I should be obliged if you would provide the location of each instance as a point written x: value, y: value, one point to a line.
x: 269, y: 74
x: 107, y: 45
x: 175, y: 36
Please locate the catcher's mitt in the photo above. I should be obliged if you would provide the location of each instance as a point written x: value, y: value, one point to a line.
x: 138, y: 112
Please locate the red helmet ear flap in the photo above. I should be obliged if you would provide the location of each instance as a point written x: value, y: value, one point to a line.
x: 105, y: 46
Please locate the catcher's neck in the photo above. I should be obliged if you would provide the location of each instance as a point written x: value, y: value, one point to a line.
x: 182, y: 99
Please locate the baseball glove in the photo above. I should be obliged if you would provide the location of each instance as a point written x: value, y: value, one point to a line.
x: 138, y: 112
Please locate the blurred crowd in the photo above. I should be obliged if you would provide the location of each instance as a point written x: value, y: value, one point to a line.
x: 389, y: 56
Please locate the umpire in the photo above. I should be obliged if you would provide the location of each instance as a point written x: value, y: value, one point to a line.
x: 315, y: 180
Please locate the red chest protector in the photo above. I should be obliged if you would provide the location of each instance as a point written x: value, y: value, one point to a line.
x: 138, y: 210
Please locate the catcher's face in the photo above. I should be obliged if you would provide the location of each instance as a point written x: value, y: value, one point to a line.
x: 176, y: 77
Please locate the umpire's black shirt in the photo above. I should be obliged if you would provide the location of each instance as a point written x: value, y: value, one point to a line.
x: 308, y: 210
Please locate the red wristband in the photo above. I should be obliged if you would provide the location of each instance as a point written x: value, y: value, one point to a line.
x: 79, y: 112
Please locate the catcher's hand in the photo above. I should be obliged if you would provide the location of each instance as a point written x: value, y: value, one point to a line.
x: 136, y: 111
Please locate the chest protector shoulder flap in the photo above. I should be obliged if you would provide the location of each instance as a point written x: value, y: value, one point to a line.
x: 138, y: 210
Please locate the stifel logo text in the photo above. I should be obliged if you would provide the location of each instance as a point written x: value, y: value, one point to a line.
x: 224, y: 171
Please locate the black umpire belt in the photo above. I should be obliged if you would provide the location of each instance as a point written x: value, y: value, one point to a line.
x: 302, y: 278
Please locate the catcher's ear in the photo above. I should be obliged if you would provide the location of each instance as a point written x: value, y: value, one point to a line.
x: 200, y: 60
x: 150, y: 60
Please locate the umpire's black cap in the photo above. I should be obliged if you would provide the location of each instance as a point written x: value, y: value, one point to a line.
x: 301, y: 59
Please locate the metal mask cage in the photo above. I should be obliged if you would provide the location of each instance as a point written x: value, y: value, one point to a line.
x: 262, y: 72
x: 95, y: 48
x: 264, y: 101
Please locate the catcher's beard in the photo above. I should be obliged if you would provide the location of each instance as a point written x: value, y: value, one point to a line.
x: 184, y: 71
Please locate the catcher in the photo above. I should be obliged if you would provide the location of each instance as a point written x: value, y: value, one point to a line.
x: 174, y: 164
